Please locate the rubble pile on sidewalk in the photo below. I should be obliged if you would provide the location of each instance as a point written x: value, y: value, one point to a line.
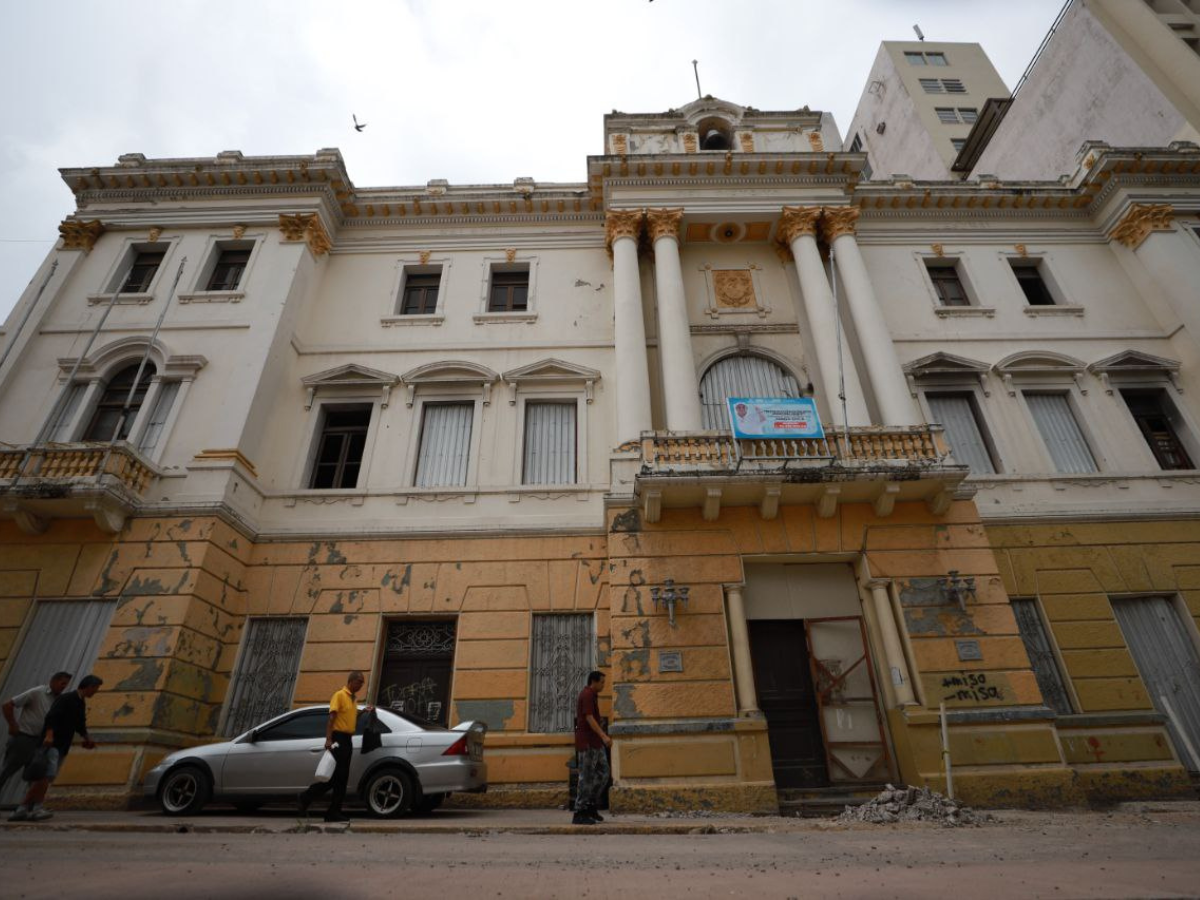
x: 910, y: 804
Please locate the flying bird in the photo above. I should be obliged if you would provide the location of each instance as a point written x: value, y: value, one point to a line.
x: 357, y: 125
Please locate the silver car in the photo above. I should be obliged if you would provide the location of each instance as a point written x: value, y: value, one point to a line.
x: 418, y: 765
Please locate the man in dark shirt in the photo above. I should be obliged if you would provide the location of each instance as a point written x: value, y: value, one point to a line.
x: 590, y: 743
x: 67, y: 717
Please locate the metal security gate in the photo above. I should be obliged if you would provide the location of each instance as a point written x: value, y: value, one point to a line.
x: 418, y: 663
x: 65, y: 635
x: 1169, y: 666
x: 266, y: 673
x: 564, y: 650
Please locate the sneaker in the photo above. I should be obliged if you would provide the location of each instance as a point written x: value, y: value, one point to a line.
x: 20, y: 814
x: 582, y: 818
x: 302, y: 801
x: 336, y: 817
x: 41, y: 814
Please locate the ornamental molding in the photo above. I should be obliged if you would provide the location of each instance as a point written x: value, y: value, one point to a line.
x: 838, y: 221
x: 663, y: 223
x: 306, y: 227
x: 350, y: 375
x: 622, y: 223
x: 1140, y: 222
x: 79, y: 235
x: 797, y: 221
x: 449, y: 372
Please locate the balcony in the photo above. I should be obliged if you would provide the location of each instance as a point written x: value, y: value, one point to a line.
x: 56, y: 481
x: 864, y: 465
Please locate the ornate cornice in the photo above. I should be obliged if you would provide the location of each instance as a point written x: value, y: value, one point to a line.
x: 837, y: 221
x: 80, y: 235
x: 1141, y: 220
x: 622, y: 223
x: 306, y: 227
x: 663, y: 223
x: 798, y: 220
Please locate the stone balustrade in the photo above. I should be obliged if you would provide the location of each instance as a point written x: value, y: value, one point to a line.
x: 72, y: 463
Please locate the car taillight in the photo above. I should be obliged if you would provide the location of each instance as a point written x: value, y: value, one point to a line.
x: 458, y: 748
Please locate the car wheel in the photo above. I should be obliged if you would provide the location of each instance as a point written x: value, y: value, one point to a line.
x: 429, y: 803
x: 389, y: 793
x: 184, y: 791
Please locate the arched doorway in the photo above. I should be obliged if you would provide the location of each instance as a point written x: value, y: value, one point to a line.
x: 744, y: 375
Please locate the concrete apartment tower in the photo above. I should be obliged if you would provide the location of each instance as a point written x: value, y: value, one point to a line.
x: 919, y: 105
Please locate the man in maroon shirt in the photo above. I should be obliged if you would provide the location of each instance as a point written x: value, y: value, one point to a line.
x: 590, y: 741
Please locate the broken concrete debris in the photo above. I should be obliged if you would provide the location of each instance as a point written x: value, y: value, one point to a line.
x: 911, y: 804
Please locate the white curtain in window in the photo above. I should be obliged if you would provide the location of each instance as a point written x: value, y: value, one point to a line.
x: 741, y: 376
x: 956, y: 414
x: 56, y: 427
x: 1054, y: 419
x: 549, y: 443
x: 445, y: 444
x: 167, y: 391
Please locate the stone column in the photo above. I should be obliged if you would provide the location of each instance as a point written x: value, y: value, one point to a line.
x: 739, y: 636
x: 1167, y: 254
x: 623, y: 226
x: 897, y: 667
x: 798, y: 230
x: 878, y: 352
x: 680, y: 390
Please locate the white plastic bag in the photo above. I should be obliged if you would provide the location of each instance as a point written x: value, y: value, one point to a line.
x: 325, y: 766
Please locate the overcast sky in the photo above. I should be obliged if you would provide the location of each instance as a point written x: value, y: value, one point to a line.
x: 473, y: 91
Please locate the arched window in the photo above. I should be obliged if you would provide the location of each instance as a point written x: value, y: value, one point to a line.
x: 112, y: 401
x: 741, y: 376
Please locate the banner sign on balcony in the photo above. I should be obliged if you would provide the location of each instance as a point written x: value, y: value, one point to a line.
x: 758, y: 417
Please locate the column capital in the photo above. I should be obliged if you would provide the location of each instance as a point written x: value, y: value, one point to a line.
x: 797, y: 221
x: 306, y: 227
x: 80, y: 235
x: 837, y: 221
x: 663, y: 223
x: 622, y: 223
x: 1140, y: 221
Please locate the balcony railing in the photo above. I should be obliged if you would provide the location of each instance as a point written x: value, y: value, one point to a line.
x: 707, y: 451
x: 68, y: 464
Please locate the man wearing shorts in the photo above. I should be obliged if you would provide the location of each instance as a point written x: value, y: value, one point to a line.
x: 25, y: 714
x: 67, y: 717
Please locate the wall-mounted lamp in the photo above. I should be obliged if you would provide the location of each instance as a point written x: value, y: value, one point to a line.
x: 955, y: 589
x: 669, y: 595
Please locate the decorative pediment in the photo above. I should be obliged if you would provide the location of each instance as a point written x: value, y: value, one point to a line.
x: 350, y: 375
x: 1040, y: 363
x: 553, y: 371
x: 945, y: 365
x: 131, y: 349
x: 450, y: 372
x: 1135, y: 362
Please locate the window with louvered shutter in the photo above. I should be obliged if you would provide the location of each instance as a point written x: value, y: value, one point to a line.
x: 956, y: 413
x: 1060, y: 431
x: 58, y: 426
x: 167, y: 392
x: 741, y: 376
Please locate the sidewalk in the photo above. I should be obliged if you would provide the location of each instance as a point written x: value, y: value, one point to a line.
x: 553, y: 821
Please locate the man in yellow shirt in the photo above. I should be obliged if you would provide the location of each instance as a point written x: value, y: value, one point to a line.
x: 339, y: 731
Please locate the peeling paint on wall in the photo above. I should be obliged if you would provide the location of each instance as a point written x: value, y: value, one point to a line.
x: 921, y: 592
x: 623, y: 703
x: 926, y: 621
x: 494, y: 712
x: 628, y: 521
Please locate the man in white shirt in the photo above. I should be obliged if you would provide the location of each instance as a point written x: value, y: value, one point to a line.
x: 25, y: 714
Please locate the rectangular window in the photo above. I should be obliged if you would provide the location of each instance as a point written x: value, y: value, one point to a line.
x: 420, y: 293
x: 947, y: 284
x: 969, y: 115
x: 340, y: 448
x: 167, y: 392
x: 947, y: 115
x: 958, y: 144
x: 265, y: 679
x: 509, y: 290
x: 931, y: 85
x: 549, y: 443
x: 856, y: 144
x: 1060, y: 431
x: 57, y: 427
x: 445, y: 444
x: 1159, y: 422
x: 1033, y: 286
x: 141, y: 273
x: 1041, y: 654
x: 227, y: 273
x: 953, y: 86
x: 563, y: 651
x: 914, y: 59
x: 956, y: 413
x: 936, y: 59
